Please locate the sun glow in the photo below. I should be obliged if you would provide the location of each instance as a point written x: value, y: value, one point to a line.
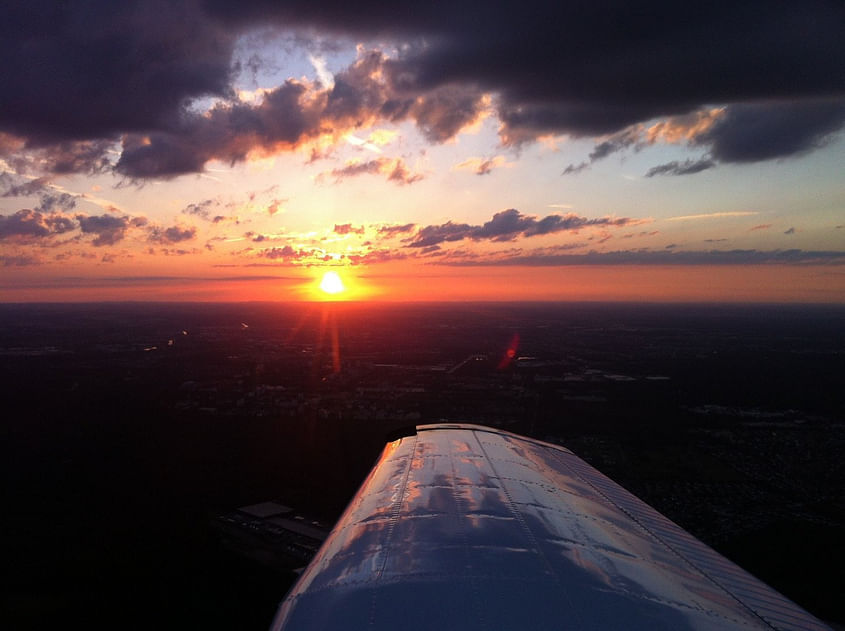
x: 332, y: 284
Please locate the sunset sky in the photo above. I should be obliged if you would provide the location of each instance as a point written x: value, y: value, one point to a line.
x: 427, y: 151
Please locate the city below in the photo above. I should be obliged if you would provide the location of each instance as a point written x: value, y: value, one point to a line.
x: 179, y: 461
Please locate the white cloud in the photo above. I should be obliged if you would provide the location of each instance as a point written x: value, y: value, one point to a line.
x: 323, y: 74
x: 739, y: 213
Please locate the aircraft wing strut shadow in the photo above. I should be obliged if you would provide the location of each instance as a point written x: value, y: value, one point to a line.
x: 468, y: 527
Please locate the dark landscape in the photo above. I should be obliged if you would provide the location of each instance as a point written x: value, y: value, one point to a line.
x: 130, y: 427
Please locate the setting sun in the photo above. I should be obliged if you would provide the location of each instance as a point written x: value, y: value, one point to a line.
x: 331, y: 283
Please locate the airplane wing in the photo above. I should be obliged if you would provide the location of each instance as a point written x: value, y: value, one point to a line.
x: 467, y: 527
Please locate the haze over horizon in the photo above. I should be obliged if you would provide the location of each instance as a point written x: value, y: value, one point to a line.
x: 199, y: 150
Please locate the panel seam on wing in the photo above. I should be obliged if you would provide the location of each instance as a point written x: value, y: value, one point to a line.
x: 394, y: 517
x: 663, y: 542
x: 526, y: 530
x: 476, y: 600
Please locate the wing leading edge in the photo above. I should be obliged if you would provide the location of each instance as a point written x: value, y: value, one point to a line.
x: 467, y: 527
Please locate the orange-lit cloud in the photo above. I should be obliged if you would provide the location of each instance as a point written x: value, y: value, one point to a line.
x: 395, y: 170
x: 299, y: 112
x: 377, y: 139
x: 348, y: 228
x: 678, y: 129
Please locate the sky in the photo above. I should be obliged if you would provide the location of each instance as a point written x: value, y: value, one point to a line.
x: 462, y: 150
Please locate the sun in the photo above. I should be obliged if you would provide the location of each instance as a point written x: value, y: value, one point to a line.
x: 332, y: 284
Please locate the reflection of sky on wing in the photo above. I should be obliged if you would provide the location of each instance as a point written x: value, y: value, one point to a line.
x: 514, y: 531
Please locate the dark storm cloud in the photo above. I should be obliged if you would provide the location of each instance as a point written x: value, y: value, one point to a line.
x: 509, y: 224
x: 161, y: 155
x: 750, y: 133
x: 96, y: 69
x: 737, y: 133
x: 77, y: 78
x: 539, y: 54
x: 597, y: 68
x: 687, y: 167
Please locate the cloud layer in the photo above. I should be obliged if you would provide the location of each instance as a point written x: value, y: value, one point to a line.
x: 656, y: 257
x: 126, y: 75
x: 509, y: 224
x: 28, y: 226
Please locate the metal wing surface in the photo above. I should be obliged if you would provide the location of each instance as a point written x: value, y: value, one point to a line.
x: 467, y: 527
